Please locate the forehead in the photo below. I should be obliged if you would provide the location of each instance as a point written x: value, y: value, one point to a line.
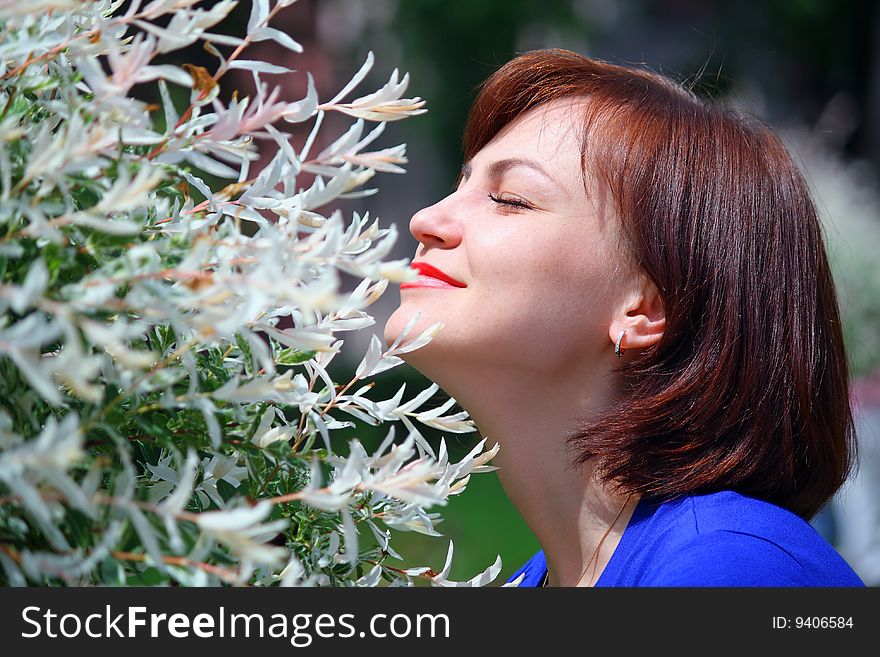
x: 549, y: 126
x: 552, y: 134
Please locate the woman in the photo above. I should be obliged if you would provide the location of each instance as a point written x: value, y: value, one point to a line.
x: 638, y: 308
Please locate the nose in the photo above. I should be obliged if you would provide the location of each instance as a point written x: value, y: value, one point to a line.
x: 437, y: 225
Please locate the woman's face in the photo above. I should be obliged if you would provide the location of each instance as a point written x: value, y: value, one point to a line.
x: 537, y: 255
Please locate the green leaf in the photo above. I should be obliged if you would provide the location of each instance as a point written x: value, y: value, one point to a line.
x: 291, y: 356
x: 245, y: 349
x: 150, y: 577
x: 111, y: 572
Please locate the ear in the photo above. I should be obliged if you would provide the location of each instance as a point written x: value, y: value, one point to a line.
x: 641, y: 317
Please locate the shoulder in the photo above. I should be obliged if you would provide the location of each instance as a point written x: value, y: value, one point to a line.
x: 729, y: 510
x: 728, y: 558
x: 730, y: 539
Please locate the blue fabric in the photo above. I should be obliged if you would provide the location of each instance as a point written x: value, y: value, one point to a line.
x: 715, y: 539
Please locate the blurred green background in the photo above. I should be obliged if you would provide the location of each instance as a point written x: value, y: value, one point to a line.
x: 809, y: 67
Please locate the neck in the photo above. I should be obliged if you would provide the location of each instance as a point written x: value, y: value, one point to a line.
x: 566, y: 508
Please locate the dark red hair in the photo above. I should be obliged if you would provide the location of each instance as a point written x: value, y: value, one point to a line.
x: 748, y: 389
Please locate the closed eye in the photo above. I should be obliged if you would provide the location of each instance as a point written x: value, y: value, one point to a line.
x: 511, y: 201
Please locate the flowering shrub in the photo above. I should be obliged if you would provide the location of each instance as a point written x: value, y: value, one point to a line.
x: 157, y: 423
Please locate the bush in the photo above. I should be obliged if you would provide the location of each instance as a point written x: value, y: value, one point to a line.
x: 158, y: 424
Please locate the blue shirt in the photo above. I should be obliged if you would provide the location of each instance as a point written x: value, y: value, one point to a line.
x: 715, y: 539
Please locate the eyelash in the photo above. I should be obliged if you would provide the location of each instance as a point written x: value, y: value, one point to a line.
x: 513, y: 203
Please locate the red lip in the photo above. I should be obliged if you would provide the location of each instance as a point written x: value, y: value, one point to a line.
x: 427, y: 270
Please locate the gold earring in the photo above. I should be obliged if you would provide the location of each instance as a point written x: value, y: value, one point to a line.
x: 617, y: 349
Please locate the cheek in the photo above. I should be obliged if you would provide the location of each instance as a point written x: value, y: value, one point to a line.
x: 555, y: 294
x: 566, y: 305
x: 586, y: 284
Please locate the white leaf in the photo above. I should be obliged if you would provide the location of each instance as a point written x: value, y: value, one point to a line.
x: 364, y: 417
x: 417, y: 571
x: 424, y: 338
x: 292, y: 573
x: 32, y: 288
x: 484, y: 578
x: 356, y: 80
x: 171, y: 115
x: 443, y: 574
x: 370, y: 359
x: 222, y: 39
x: 178, y: 500
x: 515, y: 582
x: 299, y: 338
x: 206, y: 406
x: 406, y: 329
x: 141, y: 137
x: 148, y: 536
x: 351, y: 538
x: 234, y: 519
x: 127, y: 194
x: 274, y: 435
x: 372, y: 578
x: 209, y: 165
x: 387, y: 363
x: 107, y: 225
x: 419, y: 399
x: 258, y: 66
x: 278, y: 36
x: 13, y: 575
x: 344, y: 143
x: 324, y: 500
x: 303, y: 154
x: 259, y: 13
x: 322, y: 428
x: 165, y: 72
x: 436, y: 412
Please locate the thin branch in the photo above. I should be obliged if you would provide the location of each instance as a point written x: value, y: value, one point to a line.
x: 225, y: 574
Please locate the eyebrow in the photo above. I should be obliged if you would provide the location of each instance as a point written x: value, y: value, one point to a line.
x: 500, y: 167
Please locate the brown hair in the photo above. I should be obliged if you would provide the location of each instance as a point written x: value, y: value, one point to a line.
x: 748, y: 389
